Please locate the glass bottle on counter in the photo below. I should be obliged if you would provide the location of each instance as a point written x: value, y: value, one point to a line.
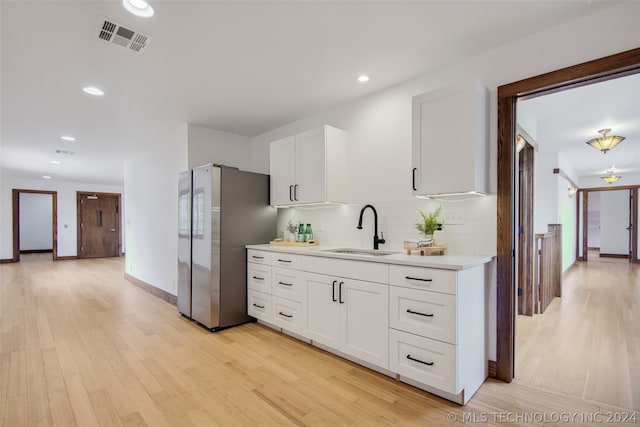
x: 308, y: 234
x: 301, y: 233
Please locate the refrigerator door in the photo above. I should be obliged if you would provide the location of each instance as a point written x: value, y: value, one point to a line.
x: 205, y: 233
x: 184, y: 243
x: 246, y: 219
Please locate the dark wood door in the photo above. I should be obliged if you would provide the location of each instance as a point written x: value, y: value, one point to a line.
x: 99, y: 225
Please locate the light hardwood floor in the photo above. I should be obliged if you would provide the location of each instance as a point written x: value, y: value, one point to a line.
x: 587, y: 343
x: 81, y: 346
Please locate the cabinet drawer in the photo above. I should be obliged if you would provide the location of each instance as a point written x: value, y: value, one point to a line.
x: 280, y: 259
x: 259, y: 277
x: 429, y: 314
x: 258, y: 257
x: 287, y: 314
x: 287, y: 283
x: 360, y: 270
x: 431, y: 279
x: 259, y: 305
x: 430, y: 362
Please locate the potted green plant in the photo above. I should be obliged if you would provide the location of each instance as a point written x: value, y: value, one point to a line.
x: 430, y: 222
x: 292, y: 231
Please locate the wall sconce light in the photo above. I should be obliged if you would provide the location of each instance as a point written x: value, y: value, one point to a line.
x: 605, y: 143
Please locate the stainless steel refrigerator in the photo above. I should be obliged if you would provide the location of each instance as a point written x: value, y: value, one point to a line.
x: 221, y: 209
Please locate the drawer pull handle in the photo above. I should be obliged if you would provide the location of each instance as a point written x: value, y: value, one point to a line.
x: 284, y: 260
x: 419, y: 361
x: 258, y: 278
x: 257, y: 257
x: 285, y: 284
x: 285, y: 315
x: 418, y: 313
x: 259, y: 306
x: 417, y: 278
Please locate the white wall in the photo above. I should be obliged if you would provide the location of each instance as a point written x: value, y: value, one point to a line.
x: 67, y: 209
x: 545, y: 191
x: 614, y: 220
x: 567, y: 215
x: 151, y: 183
x: 36, y: 221
x: 212, y: 146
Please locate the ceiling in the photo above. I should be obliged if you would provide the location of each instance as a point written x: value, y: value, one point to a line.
x: 567, y: 120
x: 239, y: 67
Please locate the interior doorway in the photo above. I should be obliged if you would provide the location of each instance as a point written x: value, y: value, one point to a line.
x: 98, y: 225
x: 613, y: 66
x: 16, y: 197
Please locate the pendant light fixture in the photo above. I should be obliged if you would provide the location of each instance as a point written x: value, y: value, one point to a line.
x: 610, y: 178
x: 605, y: 143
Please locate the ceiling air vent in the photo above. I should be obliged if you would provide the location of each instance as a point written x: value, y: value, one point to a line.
x: 112, y: 32
x: 65, y: 152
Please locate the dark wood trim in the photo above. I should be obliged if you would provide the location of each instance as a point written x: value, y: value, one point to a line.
x: 525, y: 237
x: 7, y: 260
x: 79, y: 195
x: 613, y: 256
x: 160, y: 293
x: 634, y: 224
x: 66, y: 258
x: 609, y: 67
x: 16, y: 220
x: 611, y: 188
x: 37, y: 251
x: 492, y: 368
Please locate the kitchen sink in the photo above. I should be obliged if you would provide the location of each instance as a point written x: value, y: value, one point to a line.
x: 369, y: 252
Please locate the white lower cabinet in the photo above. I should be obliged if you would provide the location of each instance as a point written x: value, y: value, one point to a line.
x: 259, y: 305
x: 428, y: 326
x: 350, y: 316
x: 287, y: 314
x: 428, y: 361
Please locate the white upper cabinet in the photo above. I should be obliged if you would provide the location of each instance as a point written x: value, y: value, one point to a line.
x: 450, y: 138
x: 309, y: 167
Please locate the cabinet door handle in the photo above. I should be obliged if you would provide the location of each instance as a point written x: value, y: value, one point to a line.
x: 285, y: 315
x: 333, y: 291
x: 295, y: 193
x: 259, y: 306
x: 285, y: 284
x: 257, y: 257
x: 419, y: 361
x: 413, y: 179
x: 291, y: 192
x: 284, y: 260
x: 418, y: 313
x: 418, y: 278
x: 340, y: 293
x: 258, y: 278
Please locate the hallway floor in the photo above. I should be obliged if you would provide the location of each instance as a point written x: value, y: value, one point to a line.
x: 587, y: 343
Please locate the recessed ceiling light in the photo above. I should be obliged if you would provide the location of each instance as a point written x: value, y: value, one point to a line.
x: 46, y: 176
x: 91, y: 90
x: 363, y: 78
x: 67, y: 138
x: 54, y: 162
x: 138, y: 7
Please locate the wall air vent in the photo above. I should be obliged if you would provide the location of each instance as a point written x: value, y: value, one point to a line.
x: 65, y: 152
x: 112, y: 32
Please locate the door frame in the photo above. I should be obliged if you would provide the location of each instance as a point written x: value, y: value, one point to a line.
x: 16, y: 220
x: 612, y: 66
x: 633, y: 195
x: 79, y: 195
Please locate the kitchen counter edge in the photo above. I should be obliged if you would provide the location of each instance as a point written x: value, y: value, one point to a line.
x: 447, y: 262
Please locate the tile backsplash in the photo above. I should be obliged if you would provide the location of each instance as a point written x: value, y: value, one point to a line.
x: 336, y: 225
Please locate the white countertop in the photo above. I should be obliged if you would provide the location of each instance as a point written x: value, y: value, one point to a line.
x: 448, y: 262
